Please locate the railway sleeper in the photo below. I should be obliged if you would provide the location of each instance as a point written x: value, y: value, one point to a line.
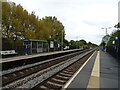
x: 52, y: 85
x: 63, y: 81
x: 61, y: 78
x: 65, y: 77
x: 57, y: 81
x: 43, y: 87
x: 69, y: 75
x: 66, y: 72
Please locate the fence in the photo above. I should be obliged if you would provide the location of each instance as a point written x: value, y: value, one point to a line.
x: 114, y: 51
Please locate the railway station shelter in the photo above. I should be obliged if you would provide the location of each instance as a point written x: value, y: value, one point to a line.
x: 35, y: 46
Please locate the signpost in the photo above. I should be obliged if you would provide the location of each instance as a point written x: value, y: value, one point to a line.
x: 119, y: 12
x: 51, y: 44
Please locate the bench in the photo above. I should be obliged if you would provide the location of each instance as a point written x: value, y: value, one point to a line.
x: 8, y: 53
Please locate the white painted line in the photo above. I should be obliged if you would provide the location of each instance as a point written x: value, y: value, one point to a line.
x: 68, y: 83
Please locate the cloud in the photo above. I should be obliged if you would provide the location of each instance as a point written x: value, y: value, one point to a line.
x: 83, y: 19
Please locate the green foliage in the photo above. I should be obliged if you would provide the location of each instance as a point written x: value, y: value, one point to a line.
x: 102, y: 44
x: 91, y: 45
x: 82, y: 43
x: 112, y: 37
x: 6, y: 22
x: 66, y: 42
x: 17, y: 22
x: 52, y: 28
x: 117, y: 25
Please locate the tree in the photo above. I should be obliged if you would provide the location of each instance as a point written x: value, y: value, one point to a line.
x: 92, y: 45
x: 53, y: 27
x: 17, y: 22
x: 117, y: 25
x: 112, y: 37
x: 6, y: 19
x: 66, y: 42
x: 82, y: 42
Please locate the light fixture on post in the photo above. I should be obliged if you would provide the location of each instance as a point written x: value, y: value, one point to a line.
x: 62, y: 41
x: 106, y: 29
x: 106, y: 37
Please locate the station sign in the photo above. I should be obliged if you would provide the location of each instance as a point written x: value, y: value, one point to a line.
x: 51, y: 44
x: 106, y: 38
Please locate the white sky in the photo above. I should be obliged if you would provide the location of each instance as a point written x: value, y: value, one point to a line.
x: 83, y: 19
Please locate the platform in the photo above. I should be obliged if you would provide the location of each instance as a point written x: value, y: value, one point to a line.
x: 9, y: 63
x: 35, y: 55
x: 101, y: 70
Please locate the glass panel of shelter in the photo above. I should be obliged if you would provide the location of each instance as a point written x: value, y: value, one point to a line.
x: 40, y: 47
x: 34, y: 47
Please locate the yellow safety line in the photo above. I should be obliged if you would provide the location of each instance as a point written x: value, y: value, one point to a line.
x: 94, y: 79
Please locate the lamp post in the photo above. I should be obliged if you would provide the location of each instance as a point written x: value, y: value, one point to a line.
x: 62, y: 41
x: 51, y: 43
x: 106, y: 29
x: 106, y: 37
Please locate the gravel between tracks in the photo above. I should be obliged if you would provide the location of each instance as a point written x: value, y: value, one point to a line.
x: 32, y: 80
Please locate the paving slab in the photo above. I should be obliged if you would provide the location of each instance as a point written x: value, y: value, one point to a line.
x: 109, y: 74
x: 109, y: 71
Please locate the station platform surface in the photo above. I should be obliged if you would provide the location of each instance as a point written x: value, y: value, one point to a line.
x: 10, y: 59
x: 101, y: 70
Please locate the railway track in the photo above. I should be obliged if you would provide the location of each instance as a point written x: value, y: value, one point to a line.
x: 58, y: 80
x: 22, y: 76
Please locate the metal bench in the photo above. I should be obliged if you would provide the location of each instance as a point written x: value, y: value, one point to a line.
x: 8, y: 53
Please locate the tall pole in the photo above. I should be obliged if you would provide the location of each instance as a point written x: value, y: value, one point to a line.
x: 106, y: 31
x: 62, y: 42
x: 106, y: 36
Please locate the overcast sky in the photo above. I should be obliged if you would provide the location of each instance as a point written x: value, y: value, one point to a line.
x: 83, y: 19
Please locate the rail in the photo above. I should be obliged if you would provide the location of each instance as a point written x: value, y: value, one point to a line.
x: 47, y: 72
